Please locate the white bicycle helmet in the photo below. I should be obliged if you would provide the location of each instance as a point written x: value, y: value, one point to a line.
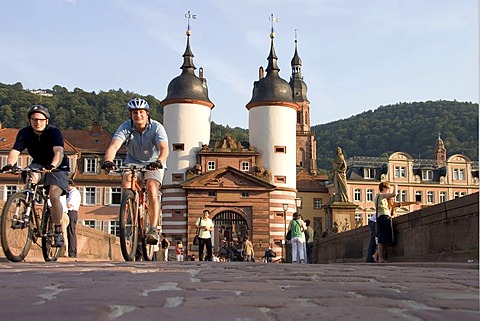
x: 138, y: 103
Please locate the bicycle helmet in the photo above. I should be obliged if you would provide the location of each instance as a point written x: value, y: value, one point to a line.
x: 38, y: 109
x: 138, y: 103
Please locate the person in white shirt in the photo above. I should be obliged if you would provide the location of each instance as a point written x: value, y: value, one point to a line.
x: 205, y: 227
x: 73, y: 205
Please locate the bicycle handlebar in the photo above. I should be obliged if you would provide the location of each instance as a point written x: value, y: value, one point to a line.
x: 17, y: 170
x: 129, y: 168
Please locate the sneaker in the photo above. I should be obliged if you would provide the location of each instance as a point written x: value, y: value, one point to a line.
x: 152, y: 237
x: 302, y: 261
x: 58, y: 239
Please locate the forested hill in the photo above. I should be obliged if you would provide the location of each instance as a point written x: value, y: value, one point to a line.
x: 409, y: 127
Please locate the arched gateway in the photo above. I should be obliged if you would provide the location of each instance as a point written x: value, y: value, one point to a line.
x: 229, y: 225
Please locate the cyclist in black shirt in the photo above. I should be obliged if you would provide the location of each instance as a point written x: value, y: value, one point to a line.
x: 44, y: 144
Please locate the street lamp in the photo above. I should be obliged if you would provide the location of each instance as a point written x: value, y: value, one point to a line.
x: 285, y: 208
x: 298, y: 204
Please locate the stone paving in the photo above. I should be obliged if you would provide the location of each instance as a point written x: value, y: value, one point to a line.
x: 238, y: 291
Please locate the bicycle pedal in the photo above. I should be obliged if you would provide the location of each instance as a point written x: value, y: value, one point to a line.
x: 17, y: 225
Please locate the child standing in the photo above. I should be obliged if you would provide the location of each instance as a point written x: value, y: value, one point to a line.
x: 179, y: 250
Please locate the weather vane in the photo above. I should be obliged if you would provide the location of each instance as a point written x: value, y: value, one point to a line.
x: 295, y: 35
x: 189, y: 16
x: 273, y: 19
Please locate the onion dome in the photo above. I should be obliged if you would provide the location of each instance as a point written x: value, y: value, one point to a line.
x: 271, y: 90
x: 187, y: 86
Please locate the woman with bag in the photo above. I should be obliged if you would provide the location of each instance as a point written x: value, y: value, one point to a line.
x: 297, y: 227
x: 205, y: 227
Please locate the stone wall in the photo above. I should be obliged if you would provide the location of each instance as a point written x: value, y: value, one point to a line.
x: 446, y: 232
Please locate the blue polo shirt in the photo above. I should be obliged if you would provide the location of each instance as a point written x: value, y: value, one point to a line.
x: 40, y: 148
x: 142, y: 149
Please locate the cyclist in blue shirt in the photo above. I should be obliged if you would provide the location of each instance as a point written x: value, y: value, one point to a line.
x: 44, y: 144
x: 146, y: 142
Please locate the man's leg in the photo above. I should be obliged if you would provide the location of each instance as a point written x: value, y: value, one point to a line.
x: 72, y: 233
x: 201, y: 243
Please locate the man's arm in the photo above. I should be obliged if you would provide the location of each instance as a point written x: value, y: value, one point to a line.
x: 163, y: 147
x: 12, y: 157
x: 112, y: 149
x: 57, y: 156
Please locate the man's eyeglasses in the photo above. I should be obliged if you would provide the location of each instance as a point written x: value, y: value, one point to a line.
x: 38, y: 119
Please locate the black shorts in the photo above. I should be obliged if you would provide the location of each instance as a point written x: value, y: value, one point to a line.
x: 384, y: 230
x: 59, y: 179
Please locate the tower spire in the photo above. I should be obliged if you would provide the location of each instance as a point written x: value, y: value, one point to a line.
x: 272, y: 67
x: 188, y: 66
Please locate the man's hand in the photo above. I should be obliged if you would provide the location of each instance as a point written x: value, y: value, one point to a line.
x: 108, y: 166
x: 49, y: 168
x: 7, y: 168
x: 155, y: 165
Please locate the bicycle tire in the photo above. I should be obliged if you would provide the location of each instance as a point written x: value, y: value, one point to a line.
x: 147, y: 249
x: 49, y: 252
x: 128, y: 226
x: 16, y: 242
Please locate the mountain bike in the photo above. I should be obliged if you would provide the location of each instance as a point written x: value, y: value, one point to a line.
x: 26, y: 217
x: 133, y: 217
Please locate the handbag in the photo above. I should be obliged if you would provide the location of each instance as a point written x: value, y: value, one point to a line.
x: 288, y: 237
x: 195, y: 239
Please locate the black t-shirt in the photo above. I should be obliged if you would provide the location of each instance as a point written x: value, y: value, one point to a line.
x: 40, y: 148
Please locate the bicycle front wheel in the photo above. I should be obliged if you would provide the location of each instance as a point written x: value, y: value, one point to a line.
x: 147, y: 249
x: 128, y: 226
x: 49, y: 252
x: 15, y: 234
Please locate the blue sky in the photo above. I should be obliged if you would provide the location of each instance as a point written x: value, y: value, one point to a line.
x: 357, y: 55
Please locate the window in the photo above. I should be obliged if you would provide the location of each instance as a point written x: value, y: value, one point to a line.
x: 317, y: 203
x: 357, y: 195
x: 11, y: 189
x: 178, y: 146
x: 245, y: 194
x: 245, y: 166
x: 212, y: 193
x: 118, y: 162
x: 402, y: 196
x: 115, y: 228
x: 358, y: 219
x: 210, y: 165
x: 3, y: 161
x: 400, y: 172
x: 89, y: 223
x: 280, y: 179
x: 90, y: 197
x: 369, y: 173
x: 177, y: 177
x: 370, y: 195
x: 418, y: 196
x: 427, y: 174
x: 90, y: 165
x: 442, y: 197
x: 458, y: 174
x: 116, y: 195
x: 456, y: 195
x: 430, y: 197
x: 280, y: 149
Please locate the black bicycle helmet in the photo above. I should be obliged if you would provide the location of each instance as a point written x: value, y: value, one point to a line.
x: 38, y: 109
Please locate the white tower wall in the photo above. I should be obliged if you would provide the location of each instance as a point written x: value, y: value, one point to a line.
x: 187, y: 124
x: 269, y: 127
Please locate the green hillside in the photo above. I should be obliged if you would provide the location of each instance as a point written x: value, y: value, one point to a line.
x: 407, y: 127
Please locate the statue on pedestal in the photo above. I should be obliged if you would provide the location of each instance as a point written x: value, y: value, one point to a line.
x: 339, y: 177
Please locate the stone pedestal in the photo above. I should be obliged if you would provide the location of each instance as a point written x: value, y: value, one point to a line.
x: 341, y: 213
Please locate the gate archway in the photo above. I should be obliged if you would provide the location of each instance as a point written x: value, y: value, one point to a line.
x: 229, y: 225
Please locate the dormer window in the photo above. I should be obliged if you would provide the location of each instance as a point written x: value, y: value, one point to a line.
x: 369, y: 173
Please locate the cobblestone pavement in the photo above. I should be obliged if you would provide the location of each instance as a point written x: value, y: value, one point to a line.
x: 81, y: 290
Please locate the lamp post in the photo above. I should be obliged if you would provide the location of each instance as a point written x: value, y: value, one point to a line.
x: 298, y: 204
x: 285, y: 208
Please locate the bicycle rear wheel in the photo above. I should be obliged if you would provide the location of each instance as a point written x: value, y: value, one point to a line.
x: 49, y: 252
x: 128, y: 226
x: 15, y: 235
x: 147, y: 249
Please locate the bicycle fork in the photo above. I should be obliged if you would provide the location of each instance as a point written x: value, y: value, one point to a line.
x: 22, y: 220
